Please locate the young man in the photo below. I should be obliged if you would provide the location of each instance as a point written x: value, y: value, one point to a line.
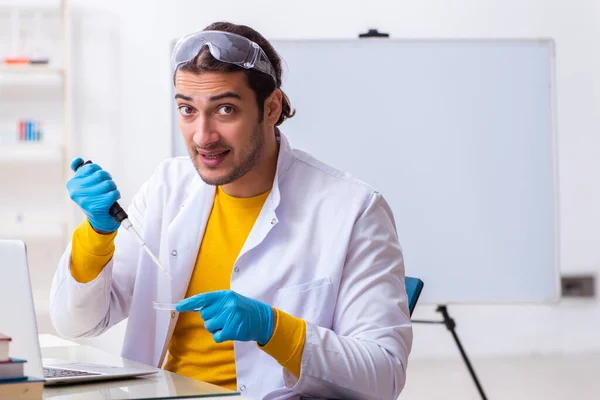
x: 287, y: 274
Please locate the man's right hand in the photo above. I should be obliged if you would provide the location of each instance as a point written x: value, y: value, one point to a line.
x: 94, y: 191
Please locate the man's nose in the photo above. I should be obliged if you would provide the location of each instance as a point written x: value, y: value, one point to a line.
x: 204, y: 132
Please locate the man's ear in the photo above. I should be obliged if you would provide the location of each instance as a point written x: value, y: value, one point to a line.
x: 273, y: 105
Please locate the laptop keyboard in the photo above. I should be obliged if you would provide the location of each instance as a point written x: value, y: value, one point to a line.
x: 61, y: 373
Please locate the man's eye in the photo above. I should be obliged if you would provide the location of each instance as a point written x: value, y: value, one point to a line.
x: 225, y: 110
x: 185, y: 110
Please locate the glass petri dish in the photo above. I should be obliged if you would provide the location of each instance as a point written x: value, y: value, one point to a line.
x: 164, y: 306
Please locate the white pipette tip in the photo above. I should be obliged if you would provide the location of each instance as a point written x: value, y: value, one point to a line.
x: 127, y: 225
x: 156, y: 261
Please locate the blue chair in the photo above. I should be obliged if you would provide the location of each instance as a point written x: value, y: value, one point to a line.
x: 414, y: 286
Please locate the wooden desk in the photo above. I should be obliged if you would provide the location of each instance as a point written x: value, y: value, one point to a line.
x: 162, y: 385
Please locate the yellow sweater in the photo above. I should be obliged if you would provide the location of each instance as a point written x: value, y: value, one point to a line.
x: 192, y: 351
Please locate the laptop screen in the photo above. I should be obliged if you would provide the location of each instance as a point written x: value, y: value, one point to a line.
x: 17, y: 312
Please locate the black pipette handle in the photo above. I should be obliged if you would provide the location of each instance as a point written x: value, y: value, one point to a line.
x: 116, y: 211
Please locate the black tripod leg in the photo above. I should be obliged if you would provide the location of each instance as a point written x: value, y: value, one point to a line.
x: 450, y: 324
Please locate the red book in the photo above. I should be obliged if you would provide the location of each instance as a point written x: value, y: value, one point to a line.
x: 4, y: 346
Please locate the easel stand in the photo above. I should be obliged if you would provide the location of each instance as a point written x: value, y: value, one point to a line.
x: 451, y: 325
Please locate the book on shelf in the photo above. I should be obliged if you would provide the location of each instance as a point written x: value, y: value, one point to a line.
x: 27, y: 389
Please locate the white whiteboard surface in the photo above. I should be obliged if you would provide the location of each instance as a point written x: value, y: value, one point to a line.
x: 459, y: 137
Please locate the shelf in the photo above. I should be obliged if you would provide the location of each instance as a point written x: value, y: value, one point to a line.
x: 31, y: 69
x: 31, y: 5
x: 30, y: 152
x: 31, y: 75
x: 30, y: 230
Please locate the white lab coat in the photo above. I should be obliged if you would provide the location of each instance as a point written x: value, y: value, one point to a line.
x: 324, y: 248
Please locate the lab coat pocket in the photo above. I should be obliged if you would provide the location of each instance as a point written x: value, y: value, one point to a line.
x: 309, y: 301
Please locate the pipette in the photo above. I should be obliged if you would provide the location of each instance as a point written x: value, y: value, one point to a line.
x: 117, y: 212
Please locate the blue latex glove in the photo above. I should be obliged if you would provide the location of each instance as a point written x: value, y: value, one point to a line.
x: 231, y: 316
x: 93, y: 189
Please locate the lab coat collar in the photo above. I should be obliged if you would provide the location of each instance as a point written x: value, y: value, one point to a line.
x: 285, y: 160
x: 267, y: 219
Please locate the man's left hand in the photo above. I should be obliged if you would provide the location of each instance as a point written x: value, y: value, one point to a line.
x: 231, y: 316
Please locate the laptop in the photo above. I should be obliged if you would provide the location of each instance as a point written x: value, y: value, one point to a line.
x: 18, y: 320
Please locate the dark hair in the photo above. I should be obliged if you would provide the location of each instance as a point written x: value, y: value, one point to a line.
x: 262, y: 84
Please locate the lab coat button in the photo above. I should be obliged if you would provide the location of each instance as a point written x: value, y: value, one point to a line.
x: 242, y: 388
x: 273, y: 221
x: 236, y: 269
x: 174, y: 253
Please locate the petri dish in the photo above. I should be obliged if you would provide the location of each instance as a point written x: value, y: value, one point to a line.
x: 164, y: 306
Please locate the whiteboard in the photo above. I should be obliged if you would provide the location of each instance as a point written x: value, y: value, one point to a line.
x: 459, y: 137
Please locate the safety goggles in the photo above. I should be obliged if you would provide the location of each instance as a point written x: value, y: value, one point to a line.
x: 224, y: 46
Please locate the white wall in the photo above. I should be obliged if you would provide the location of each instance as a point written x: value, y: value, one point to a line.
x: 148, y: 27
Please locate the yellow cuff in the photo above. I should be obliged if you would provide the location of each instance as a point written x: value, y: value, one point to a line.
x: 287, y: 342
x: 90, y: 252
